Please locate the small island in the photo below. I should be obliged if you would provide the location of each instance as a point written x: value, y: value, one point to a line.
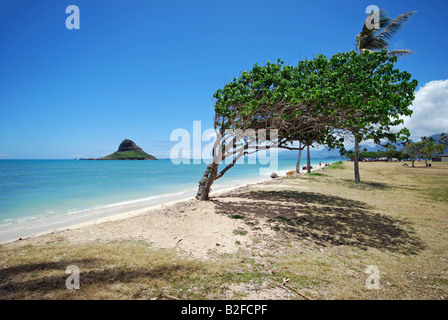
x: 128, y: 150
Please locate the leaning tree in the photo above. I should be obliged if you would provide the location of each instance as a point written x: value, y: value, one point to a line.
x: 268, y: 107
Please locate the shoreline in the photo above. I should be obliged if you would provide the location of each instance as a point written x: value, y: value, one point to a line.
x: 110, y: 212
x: 120, y: 211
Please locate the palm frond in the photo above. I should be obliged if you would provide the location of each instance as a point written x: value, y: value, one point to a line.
x: 378, y: 39
x: 364, y: 34
x: 384, y: 19
x: 371, y: 43
x: 366, y: 39
x: 400, y: 53
x: 396, y: 25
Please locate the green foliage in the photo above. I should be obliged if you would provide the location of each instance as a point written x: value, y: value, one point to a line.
x: 130, y: 155
x: 239, y: 232
x: 336, y: 165
x: 443, y: 139
x: 399, y: 154
x: 294, y: 100
x: 316, y: 101
x: 429, y: 148
x: 350, y: 154
x: 424, y: 149
x: 375, y: 94
x: 362, y: 93
x: 412, y: 149
x: 378, y: 154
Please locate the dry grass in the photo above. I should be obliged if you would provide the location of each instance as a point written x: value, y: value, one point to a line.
x: 127, y: 270
x: 398, y: 221
x: 328, y: 230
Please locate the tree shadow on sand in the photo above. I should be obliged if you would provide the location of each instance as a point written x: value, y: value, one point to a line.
x: 325, y: 219
x: 43, y: 278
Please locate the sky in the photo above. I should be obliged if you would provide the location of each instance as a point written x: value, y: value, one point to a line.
x: 141, y: 69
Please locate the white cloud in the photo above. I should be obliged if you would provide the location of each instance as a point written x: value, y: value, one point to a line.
x: 4, y: 155
x: 430, y: 110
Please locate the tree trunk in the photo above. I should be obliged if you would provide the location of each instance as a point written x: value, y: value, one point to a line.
x: 356, y: 161
x: 298, y: 159
x: 308, y: 159
x: 413, y: 163
x: 206, y: 182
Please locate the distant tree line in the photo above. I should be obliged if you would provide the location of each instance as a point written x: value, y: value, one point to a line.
x: 426, y: 149
x: 375, y: 155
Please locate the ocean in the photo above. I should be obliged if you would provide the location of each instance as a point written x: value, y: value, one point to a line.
x: 38, y: 194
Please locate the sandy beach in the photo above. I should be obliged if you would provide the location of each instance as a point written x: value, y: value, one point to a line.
x: 151, y: 206
x: 114, y: 211
x: 179, y: 222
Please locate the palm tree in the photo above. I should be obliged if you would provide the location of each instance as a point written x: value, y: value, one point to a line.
x: 443, y: 139
x: 425, y: 138
x: 378, y: 39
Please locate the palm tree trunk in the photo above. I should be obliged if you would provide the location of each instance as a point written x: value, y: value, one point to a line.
x: 356, y: 161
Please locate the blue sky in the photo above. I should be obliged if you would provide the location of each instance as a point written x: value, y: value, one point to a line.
x: 140, y: 69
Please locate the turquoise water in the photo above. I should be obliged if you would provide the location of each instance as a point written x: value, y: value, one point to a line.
x: 36, y: 189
